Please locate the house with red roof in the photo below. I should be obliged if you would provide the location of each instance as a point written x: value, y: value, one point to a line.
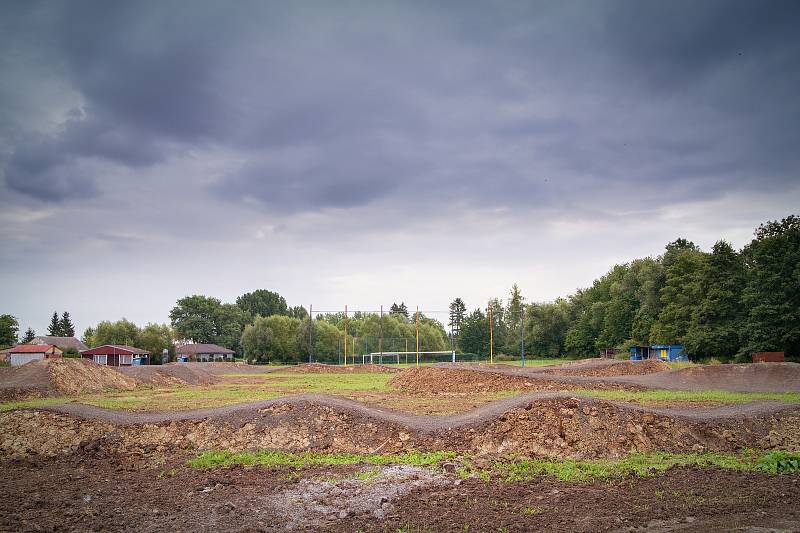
x: 25, y: 353
x: 117, y: 355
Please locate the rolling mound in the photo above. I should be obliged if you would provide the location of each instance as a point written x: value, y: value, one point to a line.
x: 536, y: 425
x: 60, y: 377
x: 170, y: 374
x: 320, y: 368
x: 749, y: 377
x: 464, y: 380
x: 608, y: 367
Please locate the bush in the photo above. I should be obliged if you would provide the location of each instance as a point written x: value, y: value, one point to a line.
x: 71, y: 353
x: 779, y: 462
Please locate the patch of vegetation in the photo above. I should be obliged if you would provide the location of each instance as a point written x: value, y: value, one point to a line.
x: 638, y: 465
x: 212, y: 459
x: 714, y: 396
x: 296, y: 383
x: 177, y: 398
x: 533, y: 511
x: 31, y: 403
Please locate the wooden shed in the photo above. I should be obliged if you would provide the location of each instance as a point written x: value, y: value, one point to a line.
x: 25, y: 353
x: 117, y: 355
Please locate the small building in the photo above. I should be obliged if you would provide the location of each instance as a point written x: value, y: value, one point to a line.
x: 204, y: 353
x: 117, y: 355
x: 25, y: 353
x: 65, y: 343
x: 662, y: 352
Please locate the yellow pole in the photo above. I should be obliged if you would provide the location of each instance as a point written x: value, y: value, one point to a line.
x: 417, y: 335
x: 345, y: 335
x: 491, y: 338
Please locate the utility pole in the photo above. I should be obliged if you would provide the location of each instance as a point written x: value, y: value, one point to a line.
x: 345, y: 335
x: 417, y: 335
x: 310, y: 331
x: 491, y: 337
x: 522, y: 334
x: 381, y: 339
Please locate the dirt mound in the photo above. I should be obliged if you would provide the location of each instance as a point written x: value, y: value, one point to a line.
x: 171, y: 374
x: 319, y: 368
x: 537, y: 425
x: 59, y: 377
x: 750, y: 377
x: 609, y: 367
x: 465, y: 380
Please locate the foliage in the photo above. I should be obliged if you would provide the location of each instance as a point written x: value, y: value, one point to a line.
x: 207, y: 320
x: 122, y: 331
x: 9, y: 327
x: 458, y: 311
x: 71, y: 352
x: 54, y: 328
x: 272, y: 338
x: 399, y: 310
x: 28, y: 337
x: 263, y: 303
x: 271, y: 458
x: 779, y: 462
x: 67, y: 328
x: 155, y: 338
x: 474, y: 336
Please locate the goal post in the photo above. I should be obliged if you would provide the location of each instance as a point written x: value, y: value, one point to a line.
x: 393, y: 357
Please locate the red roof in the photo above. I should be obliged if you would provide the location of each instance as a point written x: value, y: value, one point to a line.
x: 112, y: 349
x: 32, y: 348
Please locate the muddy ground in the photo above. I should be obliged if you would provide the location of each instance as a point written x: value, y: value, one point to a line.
x: 84, y: 493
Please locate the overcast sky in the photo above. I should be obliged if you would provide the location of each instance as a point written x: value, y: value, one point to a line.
x: 368, y: 152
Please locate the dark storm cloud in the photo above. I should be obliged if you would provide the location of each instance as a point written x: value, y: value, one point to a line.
x: 476, y: 104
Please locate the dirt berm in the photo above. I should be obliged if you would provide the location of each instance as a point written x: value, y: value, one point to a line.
x: 545, y: 425
x: 608, y: 367
x: 60, y: 377
x: 466, y: 380
x: 319, y: 368
x: 171, y: 374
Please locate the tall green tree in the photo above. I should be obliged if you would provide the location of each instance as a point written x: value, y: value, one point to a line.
x: 772, y: 292
x: 272, y: 338
x: 546, y: 328
x: 155, y: 338
x: 66, y: 325
x: 474, y: 335
x: 30, y: 334
x: 399, y: 310
x: 122, y: 331
x: 683, y: 267
x: 207, y: 320
x: 262, y: 302
x: 458, y: 311
x: 88, y: 337
x: 717, y: 319
x: 9, y: 328
x: 256, y: 340
x: 54, y: 328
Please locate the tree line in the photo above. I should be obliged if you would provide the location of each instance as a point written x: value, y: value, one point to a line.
x: 722, y: 303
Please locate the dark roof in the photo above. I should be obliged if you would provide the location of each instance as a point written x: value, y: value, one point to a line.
x: 111, y: 349
x: 62, y: 342
x: 194, y: 349
x: 32, y: 348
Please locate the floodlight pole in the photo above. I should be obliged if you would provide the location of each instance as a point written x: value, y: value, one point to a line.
x: 491, y: 337
x: 345, y: 336
x: 417, y: 335
x: 310, y: 331
x: 380, y: 347
x: 522, y: 334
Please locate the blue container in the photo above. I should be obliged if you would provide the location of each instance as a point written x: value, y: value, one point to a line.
x: 138, y: 361
x: 183, y: 359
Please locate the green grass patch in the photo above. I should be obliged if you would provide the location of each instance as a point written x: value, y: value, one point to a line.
x: 717, y: 396
x: 31, y: 404
x: 642, y: 465
x: 322, y: 382
x: 176, y: 398
x: 212, y: 459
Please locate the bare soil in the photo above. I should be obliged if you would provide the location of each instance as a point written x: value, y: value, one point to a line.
x: 172, y: 374
x: 536, y: 425
x: 92, y: 492
x: 608, y: 367
x: 61, y: 377
x: 319, y: 368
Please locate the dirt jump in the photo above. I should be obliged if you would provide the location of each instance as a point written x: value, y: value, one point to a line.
x: 61, y: 377
x: 536, y: 425
x: 172, y: 374
x: 607, y: 367
x: 320, y: 368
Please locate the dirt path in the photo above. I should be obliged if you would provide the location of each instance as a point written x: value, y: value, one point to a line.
x: 425, y: 423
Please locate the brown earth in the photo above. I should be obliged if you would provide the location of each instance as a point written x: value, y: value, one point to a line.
x: 172, y: 374
x: 540, y: 425
x: 608, y: 367
x: 91, y: 491
x: 320, y: 368
x: 440, y: 379
x: 61, y: 377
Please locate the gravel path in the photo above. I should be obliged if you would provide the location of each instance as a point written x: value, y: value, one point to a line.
x: 243, y: 412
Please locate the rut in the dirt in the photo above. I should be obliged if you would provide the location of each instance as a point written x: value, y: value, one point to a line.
x: 548, y: 425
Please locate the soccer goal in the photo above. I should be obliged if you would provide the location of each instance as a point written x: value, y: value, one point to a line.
x: 384, y: 358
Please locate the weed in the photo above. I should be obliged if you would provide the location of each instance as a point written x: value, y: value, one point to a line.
x: 533, y: 511
x: 268, y: 458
